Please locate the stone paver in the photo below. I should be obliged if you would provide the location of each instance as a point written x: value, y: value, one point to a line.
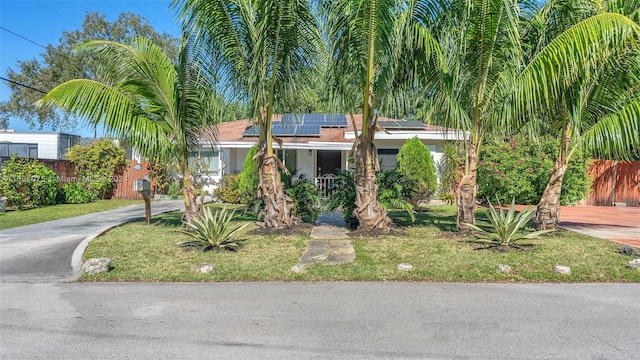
x: 330, y: 244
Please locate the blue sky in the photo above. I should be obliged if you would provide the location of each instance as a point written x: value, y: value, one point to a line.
x: 27, y: 25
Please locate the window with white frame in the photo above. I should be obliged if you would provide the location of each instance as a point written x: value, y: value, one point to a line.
x: 387, y: 159
x: 289, y: 158
x: 206, y: 162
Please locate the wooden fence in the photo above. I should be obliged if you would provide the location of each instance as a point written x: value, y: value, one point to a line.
x: 124, y: 183
x: 614, y: 182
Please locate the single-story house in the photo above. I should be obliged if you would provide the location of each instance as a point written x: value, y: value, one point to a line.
x: 318, y: 145
x: 36, y: 145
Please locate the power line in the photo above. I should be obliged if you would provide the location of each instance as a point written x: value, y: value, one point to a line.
x: 147, y: 16
x: 22, y: 37
x: 57, y: 13
x: 23, y: 85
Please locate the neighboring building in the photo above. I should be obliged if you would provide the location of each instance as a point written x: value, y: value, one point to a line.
x: 317, y: 145
x: 36, y: 145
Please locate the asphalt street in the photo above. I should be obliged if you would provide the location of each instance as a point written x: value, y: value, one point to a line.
x: 319, y: 321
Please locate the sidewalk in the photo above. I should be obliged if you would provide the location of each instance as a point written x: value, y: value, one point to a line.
x: 329, y: 244
x: 53, y: 250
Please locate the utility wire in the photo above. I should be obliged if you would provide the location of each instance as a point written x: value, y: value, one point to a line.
x: 22, y: 37
x: 23, y: 85
x: 57, y: 13
x: 147, y: 16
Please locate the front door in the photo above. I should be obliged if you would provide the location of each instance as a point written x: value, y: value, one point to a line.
x: 329, y: 162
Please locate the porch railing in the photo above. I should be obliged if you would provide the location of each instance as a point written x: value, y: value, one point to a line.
x: 325, y: 184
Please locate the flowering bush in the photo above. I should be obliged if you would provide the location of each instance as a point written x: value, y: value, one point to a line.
x: 520, y: 169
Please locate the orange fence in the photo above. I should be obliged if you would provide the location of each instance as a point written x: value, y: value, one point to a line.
x: 614, y: 182
x: 124, y: 183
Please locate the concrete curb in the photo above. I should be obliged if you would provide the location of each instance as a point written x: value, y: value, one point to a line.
x: 78, y: 253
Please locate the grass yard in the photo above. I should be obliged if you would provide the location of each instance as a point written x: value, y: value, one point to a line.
x: 148, y: 253
x: 17, y: 218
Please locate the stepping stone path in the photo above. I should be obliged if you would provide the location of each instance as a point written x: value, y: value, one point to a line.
x: 329, y: 244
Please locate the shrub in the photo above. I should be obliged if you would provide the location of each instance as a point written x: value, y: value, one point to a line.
x: 228, y: 190
x: 27, y: 183
x: 99, y: 165
x: 520, y: 170
x: 249, y: 177
x: 506, y: 226
x: 394, y: 191
x: 306, y: 198
x: 343, y: 196
x: 211, y: 231
x: 175, y: 189
x: 416, y: 164
x: 74, y: 194
x: 451, y: 169
x: 160, y: 177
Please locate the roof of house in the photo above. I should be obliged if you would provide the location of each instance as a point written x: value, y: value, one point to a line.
x: 233, y: 132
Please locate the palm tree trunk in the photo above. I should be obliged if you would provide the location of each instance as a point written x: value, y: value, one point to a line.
x: 276, y: 213
x: 368, y: 211
x: 548, y: 209
x: 191, y: 207
x: 467, y: 190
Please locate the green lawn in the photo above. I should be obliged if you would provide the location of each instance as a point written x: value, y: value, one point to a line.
x: 17, y: 218
x: 148, y: 253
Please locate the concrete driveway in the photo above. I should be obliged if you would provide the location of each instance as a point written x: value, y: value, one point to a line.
x: 52, y: 251
x: 619, y: 224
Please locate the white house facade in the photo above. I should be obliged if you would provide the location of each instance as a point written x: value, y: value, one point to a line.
x: 318, y: 145
x: 36, y: 145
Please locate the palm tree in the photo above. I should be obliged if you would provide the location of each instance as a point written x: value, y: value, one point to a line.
x: 157, y: 105
x: 481, y: 49
x: 378, y: 48
x: 259, y: 47
x: 598, y: 110
x: 488, y: 85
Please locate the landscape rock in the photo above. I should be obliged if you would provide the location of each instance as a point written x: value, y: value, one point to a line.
x: 628, y: 250
x: 504, y: 269
x: 202, y: 268
x: 564, y: 270
x: 95, y: 266
x: 634, y: 264
x: 405, y: 267
x: 299, y: 269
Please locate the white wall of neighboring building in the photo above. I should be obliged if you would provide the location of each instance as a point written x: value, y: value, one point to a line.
x: 50, y: 145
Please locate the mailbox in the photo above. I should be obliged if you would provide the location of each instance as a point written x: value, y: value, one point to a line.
x: 141, y: 185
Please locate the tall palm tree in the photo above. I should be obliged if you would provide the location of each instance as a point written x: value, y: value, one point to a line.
x: 480, y: 43
x: 598, y: 110
x: 259, y: 46
x: 489, y: 85
x: 378, y: 48
x: 157, y: 105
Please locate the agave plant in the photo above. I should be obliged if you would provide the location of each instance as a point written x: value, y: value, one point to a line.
x: 211, y: 231
x: 506, y: 225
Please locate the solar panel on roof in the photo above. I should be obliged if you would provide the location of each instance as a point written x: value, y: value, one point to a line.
x: 252, y: 131
x: 336, y: 120
x: 283, y: 130
x: 308, y: 130
x: 401, y: 124
x: 316, y: 118
x: 292, y: 119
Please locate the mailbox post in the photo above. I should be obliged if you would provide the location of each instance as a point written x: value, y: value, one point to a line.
x: 143, y: 186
